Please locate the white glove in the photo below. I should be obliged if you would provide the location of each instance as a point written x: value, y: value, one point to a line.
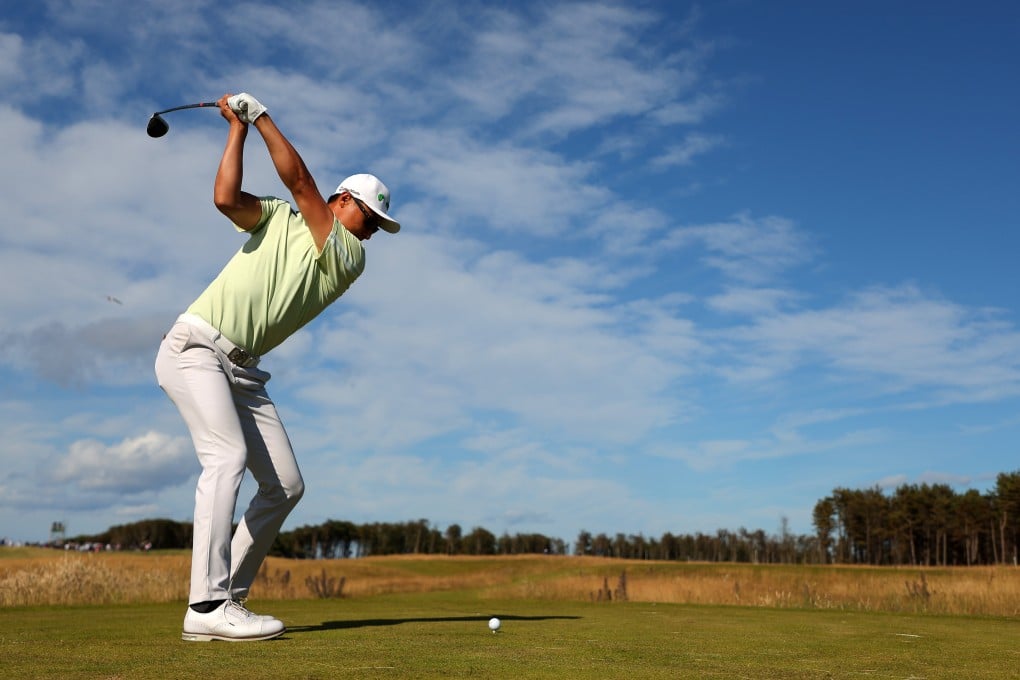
x: 246, y: 107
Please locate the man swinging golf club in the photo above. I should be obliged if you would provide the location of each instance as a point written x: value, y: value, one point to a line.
x: 293, y: 265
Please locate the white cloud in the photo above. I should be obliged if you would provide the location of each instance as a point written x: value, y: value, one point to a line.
x: 115, y: 351
x: 901, y: 336
x: 745, y: 249
x: 712, y: 454
x: 470, y: 335
x: 693, y: 145
x: 39, y: 68
x: 891, y: 481
x: 932, y: 477
x: 752, y: 302
x: 525, y: 190
x: 690, y: 112
x: 134, y: 465
x: 10, y: 56
x: 571, y: 67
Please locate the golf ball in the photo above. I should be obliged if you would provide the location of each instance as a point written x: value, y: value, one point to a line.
x: 493, y: 624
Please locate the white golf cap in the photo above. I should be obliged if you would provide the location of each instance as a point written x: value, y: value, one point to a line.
x: 370, y: 190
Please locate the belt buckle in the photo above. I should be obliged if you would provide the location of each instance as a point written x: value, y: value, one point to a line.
x: 240, y: 357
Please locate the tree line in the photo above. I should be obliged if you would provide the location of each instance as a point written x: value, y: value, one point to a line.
x: 147, y: 534
x: 913, y: 525
x: 921, y: 525
x: 341, y: 539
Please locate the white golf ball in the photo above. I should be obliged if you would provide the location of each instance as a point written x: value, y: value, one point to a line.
x: 493, y: 624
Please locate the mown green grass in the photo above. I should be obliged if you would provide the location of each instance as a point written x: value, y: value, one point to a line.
x: 445, y: 635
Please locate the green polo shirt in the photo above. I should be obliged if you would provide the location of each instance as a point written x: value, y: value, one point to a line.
x: 278, y: 281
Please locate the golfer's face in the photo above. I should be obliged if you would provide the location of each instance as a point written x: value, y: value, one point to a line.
x: 369, y: 221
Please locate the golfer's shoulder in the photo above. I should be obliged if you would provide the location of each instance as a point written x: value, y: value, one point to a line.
x: 279, y: 212
x: 272, y: 205
x: 346, y: 248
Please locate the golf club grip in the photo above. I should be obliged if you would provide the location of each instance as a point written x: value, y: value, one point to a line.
x: 186, y: 106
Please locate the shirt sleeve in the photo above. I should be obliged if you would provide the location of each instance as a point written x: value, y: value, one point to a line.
x: 268, y: 204
x: 342, y: 256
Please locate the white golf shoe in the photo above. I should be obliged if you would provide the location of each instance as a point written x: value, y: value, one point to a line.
x: 244, y: 603
x: 229, y: 622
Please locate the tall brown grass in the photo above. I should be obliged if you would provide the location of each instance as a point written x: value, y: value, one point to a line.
x: 978, y: 591
x: 92, y: 578
x: 50, y: 578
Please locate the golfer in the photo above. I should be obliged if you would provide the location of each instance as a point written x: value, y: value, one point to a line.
x: 295, y: 262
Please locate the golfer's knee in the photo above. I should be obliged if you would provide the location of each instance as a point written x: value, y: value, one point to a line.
x: 285, y: 493
x: 295, y: 491
x: 225, y: 466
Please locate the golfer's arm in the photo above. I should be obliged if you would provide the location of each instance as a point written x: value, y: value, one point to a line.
x: 242, y: 208
x: 298, y: 180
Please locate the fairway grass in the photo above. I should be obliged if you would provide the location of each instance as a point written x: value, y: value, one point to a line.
x: 444, y: 634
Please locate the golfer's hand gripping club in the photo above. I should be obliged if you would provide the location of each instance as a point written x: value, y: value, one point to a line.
x: 246, y: 107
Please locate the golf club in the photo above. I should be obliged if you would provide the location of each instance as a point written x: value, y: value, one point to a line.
x: 158, y: 127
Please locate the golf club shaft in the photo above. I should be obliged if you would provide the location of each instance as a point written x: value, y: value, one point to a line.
x: 186, y: 106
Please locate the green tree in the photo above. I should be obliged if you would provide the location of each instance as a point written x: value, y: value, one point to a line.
x: 452, y: 539
x: 1007, y: 507
x: 824, y: 520
x: 480, y: 542
x: 583, y: 544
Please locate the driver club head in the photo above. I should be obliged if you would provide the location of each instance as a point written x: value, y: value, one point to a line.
x: 157, y: 127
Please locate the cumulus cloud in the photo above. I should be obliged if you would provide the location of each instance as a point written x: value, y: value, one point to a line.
x: 150, y: 461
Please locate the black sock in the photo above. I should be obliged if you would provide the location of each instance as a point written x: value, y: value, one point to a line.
x: 206, y: 607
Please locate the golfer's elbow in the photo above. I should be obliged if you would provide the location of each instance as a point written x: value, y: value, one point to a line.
x: 227, y: 203
x: 231, y: 209
x: 241, y: 208
x: 227, y: 192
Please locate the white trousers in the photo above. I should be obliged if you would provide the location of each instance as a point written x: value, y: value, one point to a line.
x: 234, y: 425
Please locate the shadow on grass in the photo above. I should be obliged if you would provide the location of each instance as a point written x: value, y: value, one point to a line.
x: 366, y: 623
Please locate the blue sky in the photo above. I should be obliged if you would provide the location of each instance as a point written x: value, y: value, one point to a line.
x: 664, y: 266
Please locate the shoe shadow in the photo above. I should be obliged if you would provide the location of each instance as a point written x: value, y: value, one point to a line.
x: 367, y: 623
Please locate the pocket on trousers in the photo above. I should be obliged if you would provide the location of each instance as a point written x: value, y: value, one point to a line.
x: 178, y: 337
